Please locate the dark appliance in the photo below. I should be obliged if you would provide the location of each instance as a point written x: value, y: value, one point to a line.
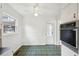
x: 69, y: 33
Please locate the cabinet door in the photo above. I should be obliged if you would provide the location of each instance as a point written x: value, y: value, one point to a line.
x: 69, y: 13
x: 65, y: 51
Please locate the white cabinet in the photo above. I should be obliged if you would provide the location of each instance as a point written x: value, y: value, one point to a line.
x: 78, y: 10
x: 65, y: 51
x: 69, y: 13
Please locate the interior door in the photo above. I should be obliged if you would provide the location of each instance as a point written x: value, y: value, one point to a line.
x: 49, y: 34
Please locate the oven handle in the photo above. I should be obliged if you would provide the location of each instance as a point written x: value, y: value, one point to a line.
x: 75, y: 29
x: 76, y: 36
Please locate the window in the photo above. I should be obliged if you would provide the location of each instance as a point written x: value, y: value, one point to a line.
x: 8, y: 24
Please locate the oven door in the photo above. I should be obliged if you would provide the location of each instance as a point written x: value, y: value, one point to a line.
x: 68, y: 36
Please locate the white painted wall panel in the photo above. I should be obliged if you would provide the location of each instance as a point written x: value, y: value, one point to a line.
x: 14, y: 40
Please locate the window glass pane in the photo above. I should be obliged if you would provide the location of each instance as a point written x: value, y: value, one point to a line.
x: 9, y: 24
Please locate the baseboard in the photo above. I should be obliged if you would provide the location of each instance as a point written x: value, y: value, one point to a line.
x: 34, y: 44
x: 15, y: 49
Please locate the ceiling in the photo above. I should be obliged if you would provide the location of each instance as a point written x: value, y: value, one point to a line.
x: 46, y: 9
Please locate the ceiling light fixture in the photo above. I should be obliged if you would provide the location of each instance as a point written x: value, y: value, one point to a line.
x: 35, y: 14
x: 36, y: 9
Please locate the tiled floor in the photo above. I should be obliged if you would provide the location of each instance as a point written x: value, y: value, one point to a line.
x: 39, y: 50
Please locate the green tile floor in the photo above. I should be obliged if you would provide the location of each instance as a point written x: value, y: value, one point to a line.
x: 39, y: 50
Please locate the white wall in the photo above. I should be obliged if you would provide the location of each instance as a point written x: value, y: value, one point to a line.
x: 35, y: 30
x: 14, y: 40
x: 32, y: 31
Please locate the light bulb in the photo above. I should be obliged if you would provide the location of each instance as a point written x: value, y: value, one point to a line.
x: 35, y: 14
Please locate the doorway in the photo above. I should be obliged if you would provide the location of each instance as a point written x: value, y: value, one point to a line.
x: 49, y: 33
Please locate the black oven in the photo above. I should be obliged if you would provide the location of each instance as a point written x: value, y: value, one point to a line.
x: 68, y: 33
